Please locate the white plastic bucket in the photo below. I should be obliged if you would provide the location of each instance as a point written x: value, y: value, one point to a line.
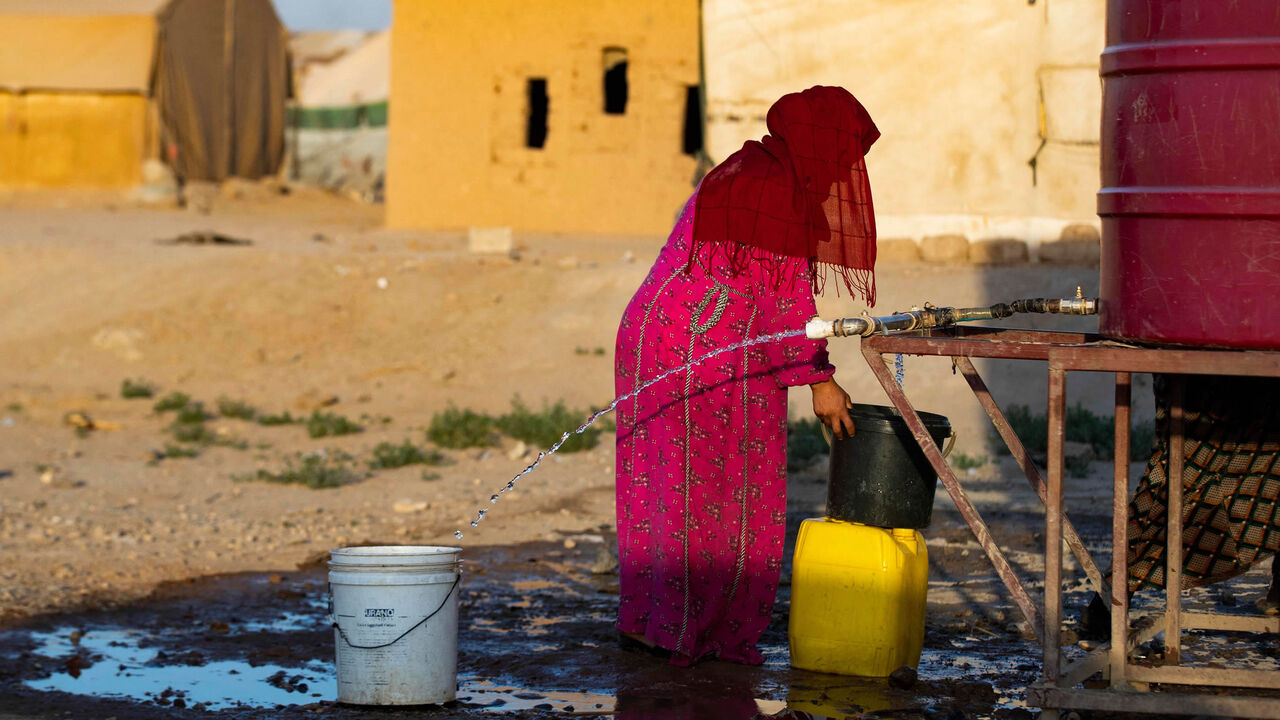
x: 395, y: 623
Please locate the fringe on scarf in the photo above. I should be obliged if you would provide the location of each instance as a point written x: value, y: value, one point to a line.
x: 732, y: 259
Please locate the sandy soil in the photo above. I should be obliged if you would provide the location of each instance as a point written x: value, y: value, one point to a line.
x: 326, y: 307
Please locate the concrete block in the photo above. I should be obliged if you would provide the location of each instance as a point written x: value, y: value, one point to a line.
x: 1081, y: 253
x: 945, y: 249
x: 998, y: 251
x: 897, y: 250
x: 490, y: 241
x: 1080, y: 232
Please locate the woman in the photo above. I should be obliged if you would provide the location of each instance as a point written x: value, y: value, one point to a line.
x: 701, y: 478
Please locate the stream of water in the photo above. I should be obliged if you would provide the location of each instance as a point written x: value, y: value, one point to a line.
x: 511, y: 484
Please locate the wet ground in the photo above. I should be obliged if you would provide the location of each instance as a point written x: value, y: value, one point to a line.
x: 535, y: 640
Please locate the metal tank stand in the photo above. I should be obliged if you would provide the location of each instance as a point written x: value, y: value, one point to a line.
x: 1127, y: 684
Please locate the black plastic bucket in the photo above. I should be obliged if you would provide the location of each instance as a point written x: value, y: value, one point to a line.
x: 880, y: 476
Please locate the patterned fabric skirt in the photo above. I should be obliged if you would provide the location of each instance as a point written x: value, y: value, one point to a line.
x: 1230, y: 482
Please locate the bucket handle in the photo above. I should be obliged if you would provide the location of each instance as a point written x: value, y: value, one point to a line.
x: 951, y: 439
x: 402, y: 635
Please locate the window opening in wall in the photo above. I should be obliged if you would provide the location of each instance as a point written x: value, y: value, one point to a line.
x: 539, y: 105
x: 615, y: 81
x: 692, y: 120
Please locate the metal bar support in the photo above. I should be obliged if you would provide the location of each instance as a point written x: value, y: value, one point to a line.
x: 1119, y: 599
x: 1173, y: 536
x: 1053, y: 526
x: 1023, y: 458
x: 953, y: 488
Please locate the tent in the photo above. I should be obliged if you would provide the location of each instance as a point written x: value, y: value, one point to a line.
x: 89, y: 89
x: 338, y: 128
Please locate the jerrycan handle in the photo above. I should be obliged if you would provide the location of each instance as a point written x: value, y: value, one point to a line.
x: 906, y: 537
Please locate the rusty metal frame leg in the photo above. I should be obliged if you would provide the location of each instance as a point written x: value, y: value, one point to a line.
x: 1173, y: 534
x: 1052, y: 637
x: 1119, y: 659
x: 1020, y: 454
x: 952, y: 484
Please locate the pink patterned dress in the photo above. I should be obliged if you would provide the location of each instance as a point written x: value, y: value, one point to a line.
x: 701, y: 476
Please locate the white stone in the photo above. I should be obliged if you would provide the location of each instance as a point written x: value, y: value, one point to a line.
x: 409, y: 506
x: 490, y: 241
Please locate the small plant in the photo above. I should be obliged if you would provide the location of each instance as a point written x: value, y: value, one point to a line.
x: 191, y: 432
x: 429, y: 476
x: 229, y: 441
x: 131, y: 389
x: 235, y: 409
x: 968, y: 462
x: 1077, y: 465
x: 283, y: 418
x: 1082, y: 425
x: 389, y: 455
x: 330, y: 425
x: 14, y: 407
x: 804, y: 442
x: 1032, y: 430
x: 605, y: 423
x: 316, y: 471
x: 178, y: 451
x: 454, y: 428
x: 546, y: 427
x: 191, y: 413
x: 173, y: 401
x: 1142, y: 439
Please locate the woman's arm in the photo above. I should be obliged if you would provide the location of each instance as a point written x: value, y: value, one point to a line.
x: 800, y: 361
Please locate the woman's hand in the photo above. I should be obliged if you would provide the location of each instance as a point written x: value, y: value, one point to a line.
x: 831, y: 404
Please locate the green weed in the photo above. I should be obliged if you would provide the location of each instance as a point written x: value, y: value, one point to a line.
x: 191, y: 432
x: 235, y: 409
x: 1077, y: 465
x: 804, y: 442
x: 173, y: 401
x: 330, y: 425
x: 1142, y: 440
x: 1083, y: 426
x: 14, y: 407
x: 545, y: 428
x: 191, y: 413
x: 1032, y: 430
x: 131, y: 389
x: 178, y: 451
x: 389, y: 455
x: 454, y: 428
x: 430, y: 475
x: 962, y: 461
x: 316, y: 471
x: 283, y: 418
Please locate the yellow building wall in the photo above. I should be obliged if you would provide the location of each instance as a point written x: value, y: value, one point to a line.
x: 456, y: 152
x: 72, y: 139
x: 958, y: 89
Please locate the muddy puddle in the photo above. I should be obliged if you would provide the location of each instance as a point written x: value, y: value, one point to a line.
x: 535, y: 640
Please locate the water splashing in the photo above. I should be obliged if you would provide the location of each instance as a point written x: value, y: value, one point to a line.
x: 511, y: 485
x: 899, y: 369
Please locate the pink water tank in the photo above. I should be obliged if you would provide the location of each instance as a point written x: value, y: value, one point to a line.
x: 1190, y: 199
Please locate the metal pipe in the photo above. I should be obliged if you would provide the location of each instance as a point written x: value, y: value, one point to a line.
x: 932, y: 317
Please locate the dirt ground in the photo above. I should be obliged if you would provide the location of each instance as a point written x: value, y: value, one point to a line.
x: 324, y: 308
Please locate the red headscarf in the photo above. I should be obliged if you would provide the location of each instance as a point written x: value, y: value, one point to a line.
x: 802, y: 191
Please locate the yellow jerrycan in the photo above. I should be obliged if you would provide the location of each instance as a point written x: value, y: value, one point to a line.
x: 857, y: 598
